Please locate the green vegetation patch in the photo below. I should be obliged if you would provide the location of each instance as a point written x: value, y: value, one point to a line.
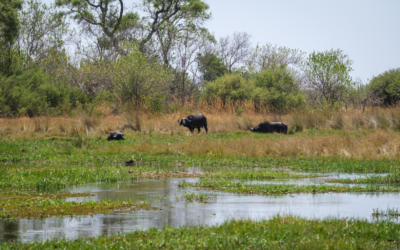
x: 47, y: 205
x: 280, y: 232
x: 389, y: 212
x: 232, y: 173
x: 227, y: 172
x: 59, y: 176
x: 201, y: 198
x: 101, y: 152
x: 241, y: 187
x: 393, y: 179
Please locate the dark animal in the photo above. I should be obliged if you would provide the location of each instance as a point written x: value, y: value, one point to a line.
x: 270, y: 127
x: 194, y: 121
x: 130, y: 163
x: 116, y: 135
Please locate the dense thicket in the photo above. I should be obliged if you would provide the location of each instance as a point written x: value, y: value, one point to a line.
x: 157, y: 54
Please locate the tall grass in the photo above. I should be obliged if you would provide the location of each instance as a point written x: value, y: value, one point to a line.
x: 220, y: 118
x: 369, y: 135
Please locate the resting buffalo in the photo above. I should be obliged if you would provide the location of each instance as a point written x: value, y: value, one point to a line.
x: 270, y: 127
x: 116, y: 135
x: 194, y: 121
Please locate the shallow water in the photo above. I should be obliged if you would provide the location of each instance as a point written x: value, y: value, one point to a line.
x: 163, y: 193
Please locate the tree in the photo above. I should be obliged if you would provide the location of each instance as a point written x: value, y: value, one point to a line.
x: 42, y: 31
x: 9, y: 30
x: 386, y: 86
x: 9, y: 20
x: 235, y: 51
x: 211, y: 66
x: 328, y: 75
x: 141, y: 81
x: 275, y: 88
x: 269, y: 56
x: 106, y: 14
x: 109, y: 16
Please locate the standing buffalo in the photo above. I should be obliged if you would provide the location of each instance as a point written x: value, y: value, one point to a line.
x: 116, y: 135
x: 194, y: 121
x: 270, y: 127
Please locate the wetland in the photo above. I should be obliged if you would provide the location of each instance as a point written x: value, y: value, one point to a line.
x: 76, y: 192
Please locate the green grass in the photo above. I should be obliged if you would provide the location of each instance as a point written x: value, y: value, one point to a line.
x: 390, y: 212
x: 280, y: 232
x: 234, y: 173
x: 99, y: 151
x: 268, y: 189
x: 221, y: 172
x: 14, y: 206
x: 392, y: 179
x: 191, y: 197
x: 12, y: 177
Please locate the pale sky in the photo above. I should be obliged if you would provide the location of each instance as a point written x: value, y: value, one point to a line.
x: 368, y: 31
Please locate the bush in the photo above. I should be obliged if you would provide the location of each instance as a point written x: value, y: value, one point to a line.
x: 387, y: 86
x: 276, y: 89
x: 32, y: 93
x: 141, y: 81
x: 231, y: 87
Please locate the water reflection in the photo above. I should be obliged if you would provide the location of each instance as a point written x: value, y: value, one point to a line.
x: 179, y: 213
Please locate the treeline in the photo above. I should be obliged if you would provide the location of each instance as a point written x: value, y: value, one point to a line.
x: 157, y: 55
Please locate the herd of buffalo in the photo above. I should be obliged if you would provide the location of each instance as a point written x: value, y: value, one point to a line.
x: 200, y: 121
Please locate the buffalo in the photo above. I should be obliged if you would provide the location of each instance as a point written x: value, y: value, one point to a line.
x: 194, y: 121
x: 116, y: 135
x: 270, y: 127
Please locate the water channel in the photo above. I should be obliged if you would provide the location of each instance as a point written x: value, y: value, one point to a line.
x: 165, y: 194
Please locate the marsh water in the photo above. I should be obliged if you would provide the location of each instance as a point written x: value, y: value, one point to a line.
x: 175, y: 211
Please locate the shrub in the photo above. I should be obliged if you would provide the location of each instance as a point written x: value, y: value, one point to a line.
x: 231, y: 87
x: 277, y: 88
x: 31, y: 92
x: 142, y: 81
x: 386, y: 86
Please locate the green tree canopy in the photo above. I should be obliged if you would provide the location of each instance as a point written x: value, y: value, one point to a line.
x: 141, y: 81
x: 387, y: 86
x: 9, y: 28
x: 229, y: 87
x: 211, y: 66
x: 329, y: 74
x: 110, y: 17
x: 32, y: 93
x: 277, y: 89
x: 9, y: 21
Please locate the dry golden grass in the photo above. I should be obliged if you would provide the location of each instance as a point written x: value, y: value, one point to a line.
x: 380, y: 142
x: 377, y: 145
x: 220, y: 118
